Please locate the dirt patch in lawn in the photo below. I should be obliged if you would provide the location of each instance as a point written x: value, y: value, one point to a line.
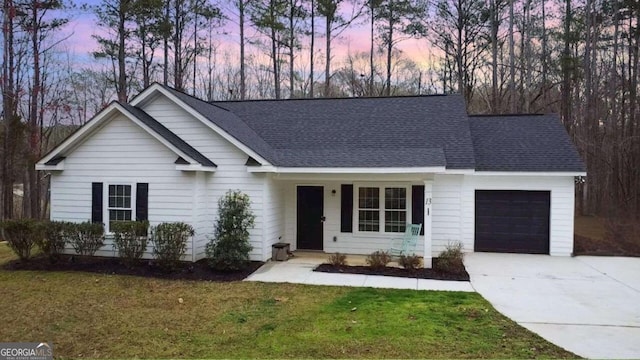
x: 606, y: 237
x: 393, y: 271
x: 199, y: 270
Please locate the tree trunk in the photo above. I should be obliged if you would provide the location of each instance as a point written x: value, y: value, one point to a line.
x: 312, y: 47
x: 495, y: 23
x: 122, y: 37
x: 545, y: 65
x: 33, y: 193
x: 371, y: 65
x: 566, y: 71
x: 165, y: 40
x: 389, y: 49
x: 274, y: 52
x: 327, y: 65
x: 9, y: 108
x: 243, y: 84
x: 292, y: 43
x: 512, y: 66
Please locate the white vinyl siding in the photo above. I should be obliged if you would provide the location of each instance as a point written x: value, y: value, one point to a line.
x: 122, y: 153
x: 231, y: 174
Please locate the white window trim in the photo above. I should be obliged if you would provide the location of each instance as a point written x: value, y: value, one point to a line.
x: 105, y: 203
x: 356, y: 208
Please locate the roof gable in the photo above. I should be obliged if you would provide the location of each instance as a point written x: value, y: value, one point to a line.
x: 222, y: 121
x: 55, y: 158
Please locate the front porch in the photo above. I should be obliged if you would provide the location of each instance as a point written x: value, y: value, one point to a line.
x: 355, y: 214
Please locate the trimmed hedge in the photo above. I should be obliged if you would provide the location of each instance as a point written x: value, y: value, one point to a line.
x: 170, y: 242
x: 130, y: 238
x: 22, y: 235
x: 86, y: 238
x: 56, y: 236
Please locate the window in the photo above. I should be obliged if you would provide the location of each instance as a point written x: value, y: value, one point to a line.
x: 369, y: 209
x: 119, y: 205
x: 382, y: 209
x: 395, y: 209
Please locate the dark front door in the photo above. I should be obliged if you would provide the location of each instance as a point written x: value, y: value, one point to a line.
x: 310, y: 217
x: 512, y: 221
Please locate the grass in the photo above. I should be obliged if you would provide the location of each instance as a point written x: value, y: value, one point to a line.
x: 107, y: 316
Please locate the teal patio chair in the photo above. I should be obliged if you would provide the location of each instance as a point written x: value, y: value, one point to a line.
x: 406, y: 245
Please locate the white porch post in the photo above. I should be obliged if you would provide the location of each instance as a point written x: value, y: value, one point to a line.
x: 428, y: 194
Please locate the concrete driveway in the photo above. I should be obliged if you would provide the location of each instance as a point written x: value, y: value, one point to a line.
x: 587, y: 305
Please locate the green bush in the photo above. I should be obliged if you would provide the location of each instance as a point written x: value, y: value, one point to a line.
x: 229, y: 249
x: 22, y: 235
x: 378, y: 259
x: 130, y: 238
x: 86, y: 238
x: 338, y: 259
x: 56, y: 236
x: 170, y: 242
x: 451, y: 259
x: 410, y: 262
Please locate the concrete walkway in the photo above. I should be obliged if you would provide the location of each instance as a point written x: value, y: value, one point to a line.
x: 300, y: 271
x: 587, y: 305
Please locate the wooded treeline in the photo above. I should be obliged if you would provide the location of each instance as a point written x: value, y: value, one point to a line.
x: 579, y: 59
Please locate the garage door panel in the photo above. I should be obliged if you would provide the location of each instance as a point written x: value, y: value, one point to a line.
x: 512, y: 221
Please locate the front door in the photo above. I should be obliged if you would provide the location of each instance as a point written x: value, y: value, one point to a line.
x: 310, y: 217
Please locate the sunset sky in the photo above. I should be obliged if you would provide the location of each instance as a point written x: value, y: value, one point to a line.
x: 354, y: 39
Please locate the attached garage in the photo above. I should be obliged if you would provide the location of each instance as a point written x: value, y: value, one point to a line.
x: 512, y: 221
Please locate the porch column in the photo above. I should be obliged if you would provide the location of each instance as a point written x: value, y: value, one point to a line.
x: 428, y: 193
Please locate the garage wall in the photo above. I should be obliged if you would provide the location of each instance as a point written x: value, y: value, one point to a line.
x: 562, y: 205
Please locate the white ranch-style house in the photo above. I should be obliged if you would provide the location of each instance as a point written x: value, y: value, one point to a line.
x: 333, y: 175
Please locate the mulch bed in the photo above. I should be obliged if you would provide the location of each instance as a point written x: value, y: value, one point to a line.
x: 199, y: 270
x: 393, y: 271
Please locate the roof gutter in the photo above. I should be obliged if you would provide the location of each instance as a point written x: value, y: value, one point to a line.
x: 345, y: 170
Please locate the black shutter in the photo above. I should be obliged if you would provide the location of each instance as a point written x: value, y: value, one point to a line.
x: 142, y: 201
x: 346, y: 212
x: 96, y: 202
x: 417, y: 206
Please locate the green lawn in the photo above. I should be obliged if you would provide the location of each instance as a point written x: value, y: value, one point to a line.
x: 98, y: 316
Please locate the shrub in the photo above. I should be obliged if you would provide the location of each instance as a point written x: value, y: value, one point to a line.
x: 378, y: 259
x: 451, y: 259
x: 170, y: 242
x: 56, y: 236
x: 410, y: 262
x: 22, y: 235
x: 130, y: 238
x: 229, y: 249
x: 86, y: 238
x: 338, y: 259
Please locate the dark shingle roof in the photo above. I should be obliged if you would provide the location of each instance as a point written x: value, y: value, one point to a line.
x: 523, y: 143
x: 411, y: 131
x: 415, y: 131
x: 172, y: 138
x: 228, y: 122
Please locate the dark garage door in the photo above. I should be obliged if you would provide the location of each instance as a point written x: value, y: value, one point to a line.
x: 512, y: 221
